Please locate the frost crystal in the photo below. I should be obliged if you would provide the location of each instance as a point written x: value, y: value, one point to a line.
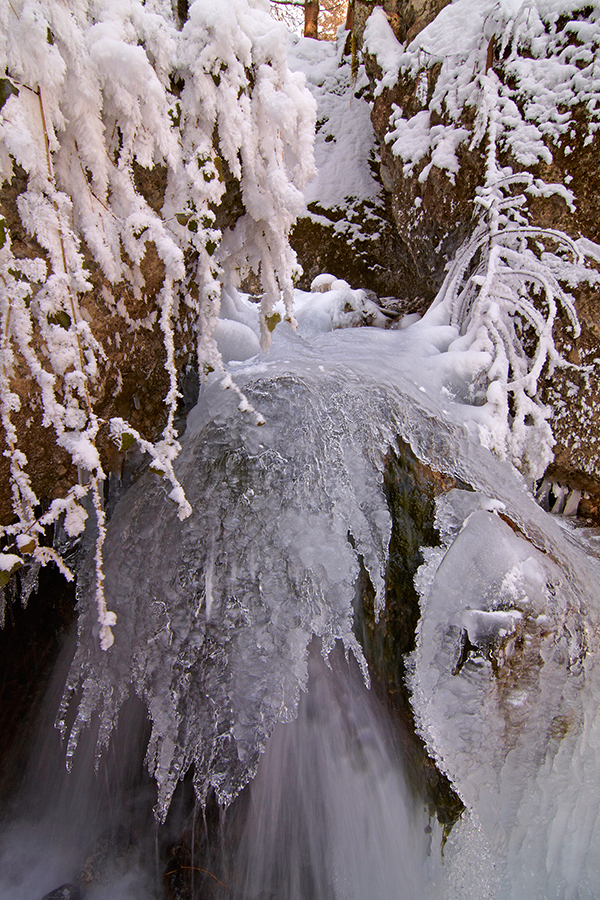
x: 92, y: 91
x: 526, y: 71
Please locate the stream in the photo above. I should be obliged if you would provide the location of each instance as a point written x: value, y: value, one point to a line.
x: 241, y: 750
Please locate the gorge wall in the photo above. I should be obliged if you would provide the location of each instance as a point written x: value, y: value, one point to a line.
x: 430, y: 207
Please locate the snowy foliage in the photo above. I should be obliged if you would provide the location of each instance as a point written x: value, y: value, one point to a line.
x: 512, y: 79
x: 92, y: 89
x: 504, y: 291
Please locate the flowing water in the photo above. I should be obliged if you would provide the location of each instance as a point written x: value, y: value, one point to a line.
x: 331, y: 815
x: 216, y: 616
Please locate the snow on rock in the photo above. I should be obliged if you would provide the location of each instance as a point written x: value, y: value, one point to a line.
x: 380, y: 41
x: 235, y: 340
x: 344, y: 141
x: 483, y: 93
x: 346, y: 227
x: 323, y: 283
x: 549, y: 72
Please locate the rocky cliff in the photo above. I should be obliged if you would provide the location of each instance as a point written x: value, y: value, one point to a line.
x: 426, y: 64
x: 428, y: 163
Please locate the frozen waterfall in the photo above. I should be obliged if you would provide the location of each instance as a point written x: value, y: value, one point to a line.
x: 215, y: 616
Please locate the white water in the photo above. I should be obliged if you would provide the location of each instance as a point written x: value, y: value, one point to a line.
x: 216, y: 614
x: 66, y: 827
x: 331, y: 816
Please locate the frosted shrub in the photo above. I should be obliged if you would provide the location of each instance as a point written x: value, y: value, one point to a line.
x: 512, y: 80
x: 92, y: 90
x: 504, y: 291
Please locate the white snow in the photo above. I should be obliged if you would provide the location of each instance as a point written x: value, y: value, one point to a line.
x: 9, y: 561
x: 344, y: 141
x: 235, y: 340
x: 380, y: 41
x: 456, y: 30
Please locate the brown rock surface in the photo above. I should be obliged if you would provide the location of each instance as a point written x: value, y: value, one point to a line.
x: 131, y: 382
x: 434, y: 217
x: 407, y: 17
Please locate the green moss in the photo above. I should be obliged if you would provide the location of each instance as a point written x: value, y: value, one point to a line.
x: 411, y: 490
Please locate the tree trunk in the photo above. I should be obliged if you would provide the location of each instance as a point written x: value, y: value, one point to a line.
x: 350, y: 16
x: 311, y: 16
x: 182, y: 12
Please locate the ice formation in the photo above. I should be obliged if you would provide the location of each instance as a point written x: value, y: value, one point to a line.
x: 215, y: 623
x: 214, y: 638
x: 504, y: 685
x: 92, y: 91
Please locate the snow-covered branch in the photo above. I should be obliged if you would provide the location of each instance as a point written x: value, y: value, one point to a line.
x: 504, y: 291
x: 93, y: 93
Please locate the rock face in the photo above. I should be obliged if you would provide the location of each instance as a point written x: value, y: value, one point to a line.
x: 351, y: 228
x: 131, y: 382
x: 30, y: 641
x: 380, y: 262
x: 435, y: 211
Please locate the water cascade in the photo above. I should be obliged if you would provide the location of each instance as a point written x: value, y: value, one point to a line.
x: 330, y: 814
x: 216, y: 615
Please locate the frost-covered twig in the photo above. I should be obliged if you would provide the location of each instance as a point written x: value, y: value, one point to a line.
x: 93, y: 93
x: 504, y: 292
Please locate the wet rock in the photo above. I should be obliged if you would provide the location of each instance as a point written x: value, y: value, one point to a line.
x: 188, y: 879
x: 411, y: 488
x: 64, y: 892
